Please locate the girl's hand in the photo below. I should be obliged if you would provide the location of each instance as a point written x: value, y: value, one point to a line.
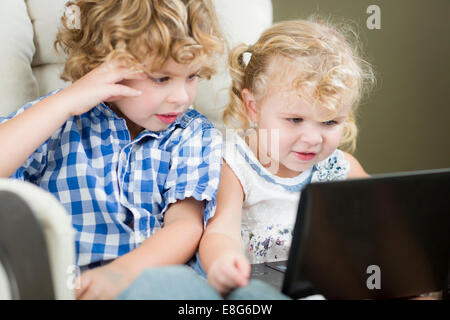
x: 103, y: 283
x: 228, y: 272
x: 101, y: 84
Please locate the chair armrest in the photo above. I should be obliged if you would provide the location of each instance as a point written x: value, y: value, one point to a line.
x: 57, y: 231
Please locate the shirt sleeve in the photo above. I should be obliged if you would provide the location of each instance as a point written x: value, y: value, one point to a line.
x: 31, y: 170
x: 195, y: 167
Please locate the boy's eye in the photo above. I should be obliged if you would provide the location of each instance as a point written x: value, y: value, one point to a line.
x: 330, y: 123
x: 193, y: 76
x: 295, y: 120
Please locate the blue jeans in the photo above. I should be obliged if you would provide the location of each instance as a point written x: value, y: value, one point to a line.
x: 182, y: 283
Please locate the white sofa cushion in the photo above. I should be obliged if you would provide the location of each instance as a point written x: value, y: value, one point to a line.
x: 17, y: 82
x: 46, y: 18
x: 242, y: 22
x: 47, y: 64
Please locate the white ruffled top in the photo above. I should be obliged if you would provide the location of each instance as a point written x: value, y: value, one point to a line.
x: 270, y: 205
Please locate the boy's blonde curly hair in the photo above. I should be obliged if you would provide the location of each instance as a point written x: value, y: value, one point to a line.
x: 135, y: 31
x: 325, y: 63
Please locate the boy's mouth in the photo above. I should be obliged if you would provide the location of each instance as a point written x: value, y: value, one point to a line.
x: 168, y: 118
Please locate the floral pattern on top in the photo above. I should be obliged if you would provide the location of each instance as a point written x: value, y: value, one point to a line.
x: 269, y: 244
x: 332, y: 168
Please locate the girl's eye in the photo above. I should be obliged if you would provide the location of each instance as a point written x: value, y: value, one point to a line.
x: 330, y: 123
x: 160, y: 80
x: 295, y: 120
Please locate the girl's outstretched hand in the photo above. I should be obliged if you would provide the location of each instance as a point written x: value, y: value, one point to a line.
x: 101, y: 84
x: 229, y: 271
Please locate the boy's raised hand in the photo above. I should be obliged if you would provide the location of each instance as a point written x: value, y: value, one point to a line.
x: 24, y: 133
x: 228, y: 272
x: 101, y: 84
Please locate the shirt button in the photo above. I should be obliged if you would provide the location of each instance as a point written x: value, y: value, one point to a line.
x: 123, y: 157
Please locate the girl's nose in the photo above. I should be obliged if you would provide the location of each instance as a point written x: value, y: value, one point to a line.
x: 311, y: 136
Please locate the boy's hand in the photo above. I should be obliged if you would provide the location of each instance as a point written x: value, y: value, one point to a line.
x: 103, y: 283
x: 101, y: 84
x: 228, y: 272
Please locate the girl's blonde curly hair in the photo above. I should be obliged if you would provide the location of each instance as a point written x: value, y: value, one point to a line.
x: 324, y: 62
x: 135, y: 31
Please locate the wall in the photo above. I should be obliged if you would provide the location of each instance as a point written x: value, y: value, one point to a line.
x: 405, y: 123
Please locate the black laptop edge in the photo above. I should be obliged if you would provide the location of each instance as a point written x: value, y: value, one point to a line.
x: 296, y: 289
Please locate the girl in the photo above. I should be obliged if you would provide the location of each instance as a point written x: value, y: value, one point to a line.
x: 294, y: 103
x: 133, y: 165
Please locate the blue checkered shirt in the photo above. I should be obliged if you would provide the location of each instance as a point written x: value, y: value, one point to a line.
x: 117, y: 189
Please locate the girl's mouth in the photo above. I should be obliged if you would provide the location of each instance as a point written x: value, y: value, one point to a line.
x: 305, y: 156
x: 168, y: 118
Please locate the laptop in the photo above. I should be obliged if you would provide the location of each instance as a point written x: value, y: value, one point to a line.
x: 383, y: 237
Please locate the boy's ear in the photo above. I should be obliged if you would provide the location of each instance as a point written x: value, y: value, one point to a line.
x: 250, y: 104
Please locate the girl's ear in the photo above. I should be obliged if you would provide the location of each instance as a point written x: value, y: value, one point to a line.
x: 250, y: 104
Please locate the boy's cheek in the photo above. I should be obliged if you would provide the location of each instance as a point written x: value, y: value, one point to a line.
x: 192, y: 92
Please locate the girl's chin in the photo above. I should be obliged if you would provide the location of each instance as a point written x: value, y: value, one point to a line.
x: 290, y: 171
x: 299, y: 168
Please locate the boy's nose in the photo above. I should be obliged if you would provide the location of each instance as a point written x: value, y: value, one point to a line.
x: 179, y: 95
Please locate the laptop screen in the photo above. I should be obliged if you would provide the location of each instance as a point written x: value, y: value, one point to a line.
x: 382, y: 237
